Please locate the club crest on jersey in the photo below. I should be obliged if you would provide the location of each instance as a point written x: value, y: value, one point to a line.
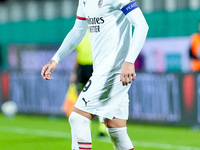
x: 84, y: 3
x: 100, y: 3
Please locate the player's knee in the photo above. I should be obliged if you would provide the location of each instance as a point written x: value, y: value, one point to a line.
x: 120, y: 138
x: 75, y: 119
x: 115, y: 132
x: 114, y: 123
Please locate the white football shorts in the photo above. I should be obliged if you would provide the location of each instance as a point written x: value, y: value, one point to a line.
x: 105, y: 96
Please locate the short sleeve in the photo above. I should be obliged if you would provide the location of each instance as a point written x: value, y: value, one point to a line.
x: 80, y: 12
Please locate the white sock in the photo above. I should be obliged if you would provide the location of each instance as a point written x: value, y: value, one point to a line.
x: 120, y: 138
x: 80, y: 130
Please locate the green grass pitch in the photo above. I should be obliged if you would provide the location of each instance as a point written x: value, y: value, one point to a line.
x: 25, y: 132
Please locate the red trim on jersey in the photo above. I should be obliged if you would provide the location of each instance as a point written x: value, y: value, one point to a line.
x: 85, y: 148
x: 81, y: 18
x: 82, y: 143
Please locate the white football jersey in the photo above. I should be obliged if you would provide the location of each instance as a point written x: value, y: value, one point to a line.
x: 110, y: 32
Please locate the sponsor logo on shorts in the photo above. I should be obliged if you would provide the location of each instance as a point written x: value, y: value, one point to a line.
x: 85, y: 101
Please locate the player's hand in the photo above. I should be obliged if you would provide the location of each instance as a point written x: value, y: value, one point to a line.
x: 127, y: 73
x: 48, y: 69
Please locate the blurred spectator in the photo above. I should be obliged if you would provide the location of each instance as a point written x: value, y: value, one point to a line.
x: 195, y: 51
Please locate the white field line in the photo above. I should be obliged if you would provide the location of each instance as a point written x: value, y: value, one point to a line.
x: 59, y: 134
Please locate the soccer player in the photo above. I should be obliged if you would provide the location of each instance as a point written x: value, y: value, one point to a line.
x: 82, y: 72
x: 114, y: 51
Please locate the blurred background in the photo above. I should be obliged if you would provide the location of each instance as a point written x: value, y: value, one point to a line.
x: 167, y: 87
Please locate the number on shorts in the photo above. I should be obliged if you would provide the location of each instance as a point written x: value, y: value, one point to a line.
x: 87, y: 85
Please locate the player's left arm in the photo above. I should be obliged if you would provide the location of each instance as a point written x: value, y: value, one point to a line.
x: 136, y: 18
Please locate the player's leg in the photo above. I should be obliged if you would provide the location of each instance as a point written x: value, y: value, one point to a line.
x: 117, y: 131
x: 80, y: 129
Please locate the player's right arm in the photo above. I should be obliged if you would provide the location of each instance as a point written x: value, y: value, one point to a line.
x: 70, y: 42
